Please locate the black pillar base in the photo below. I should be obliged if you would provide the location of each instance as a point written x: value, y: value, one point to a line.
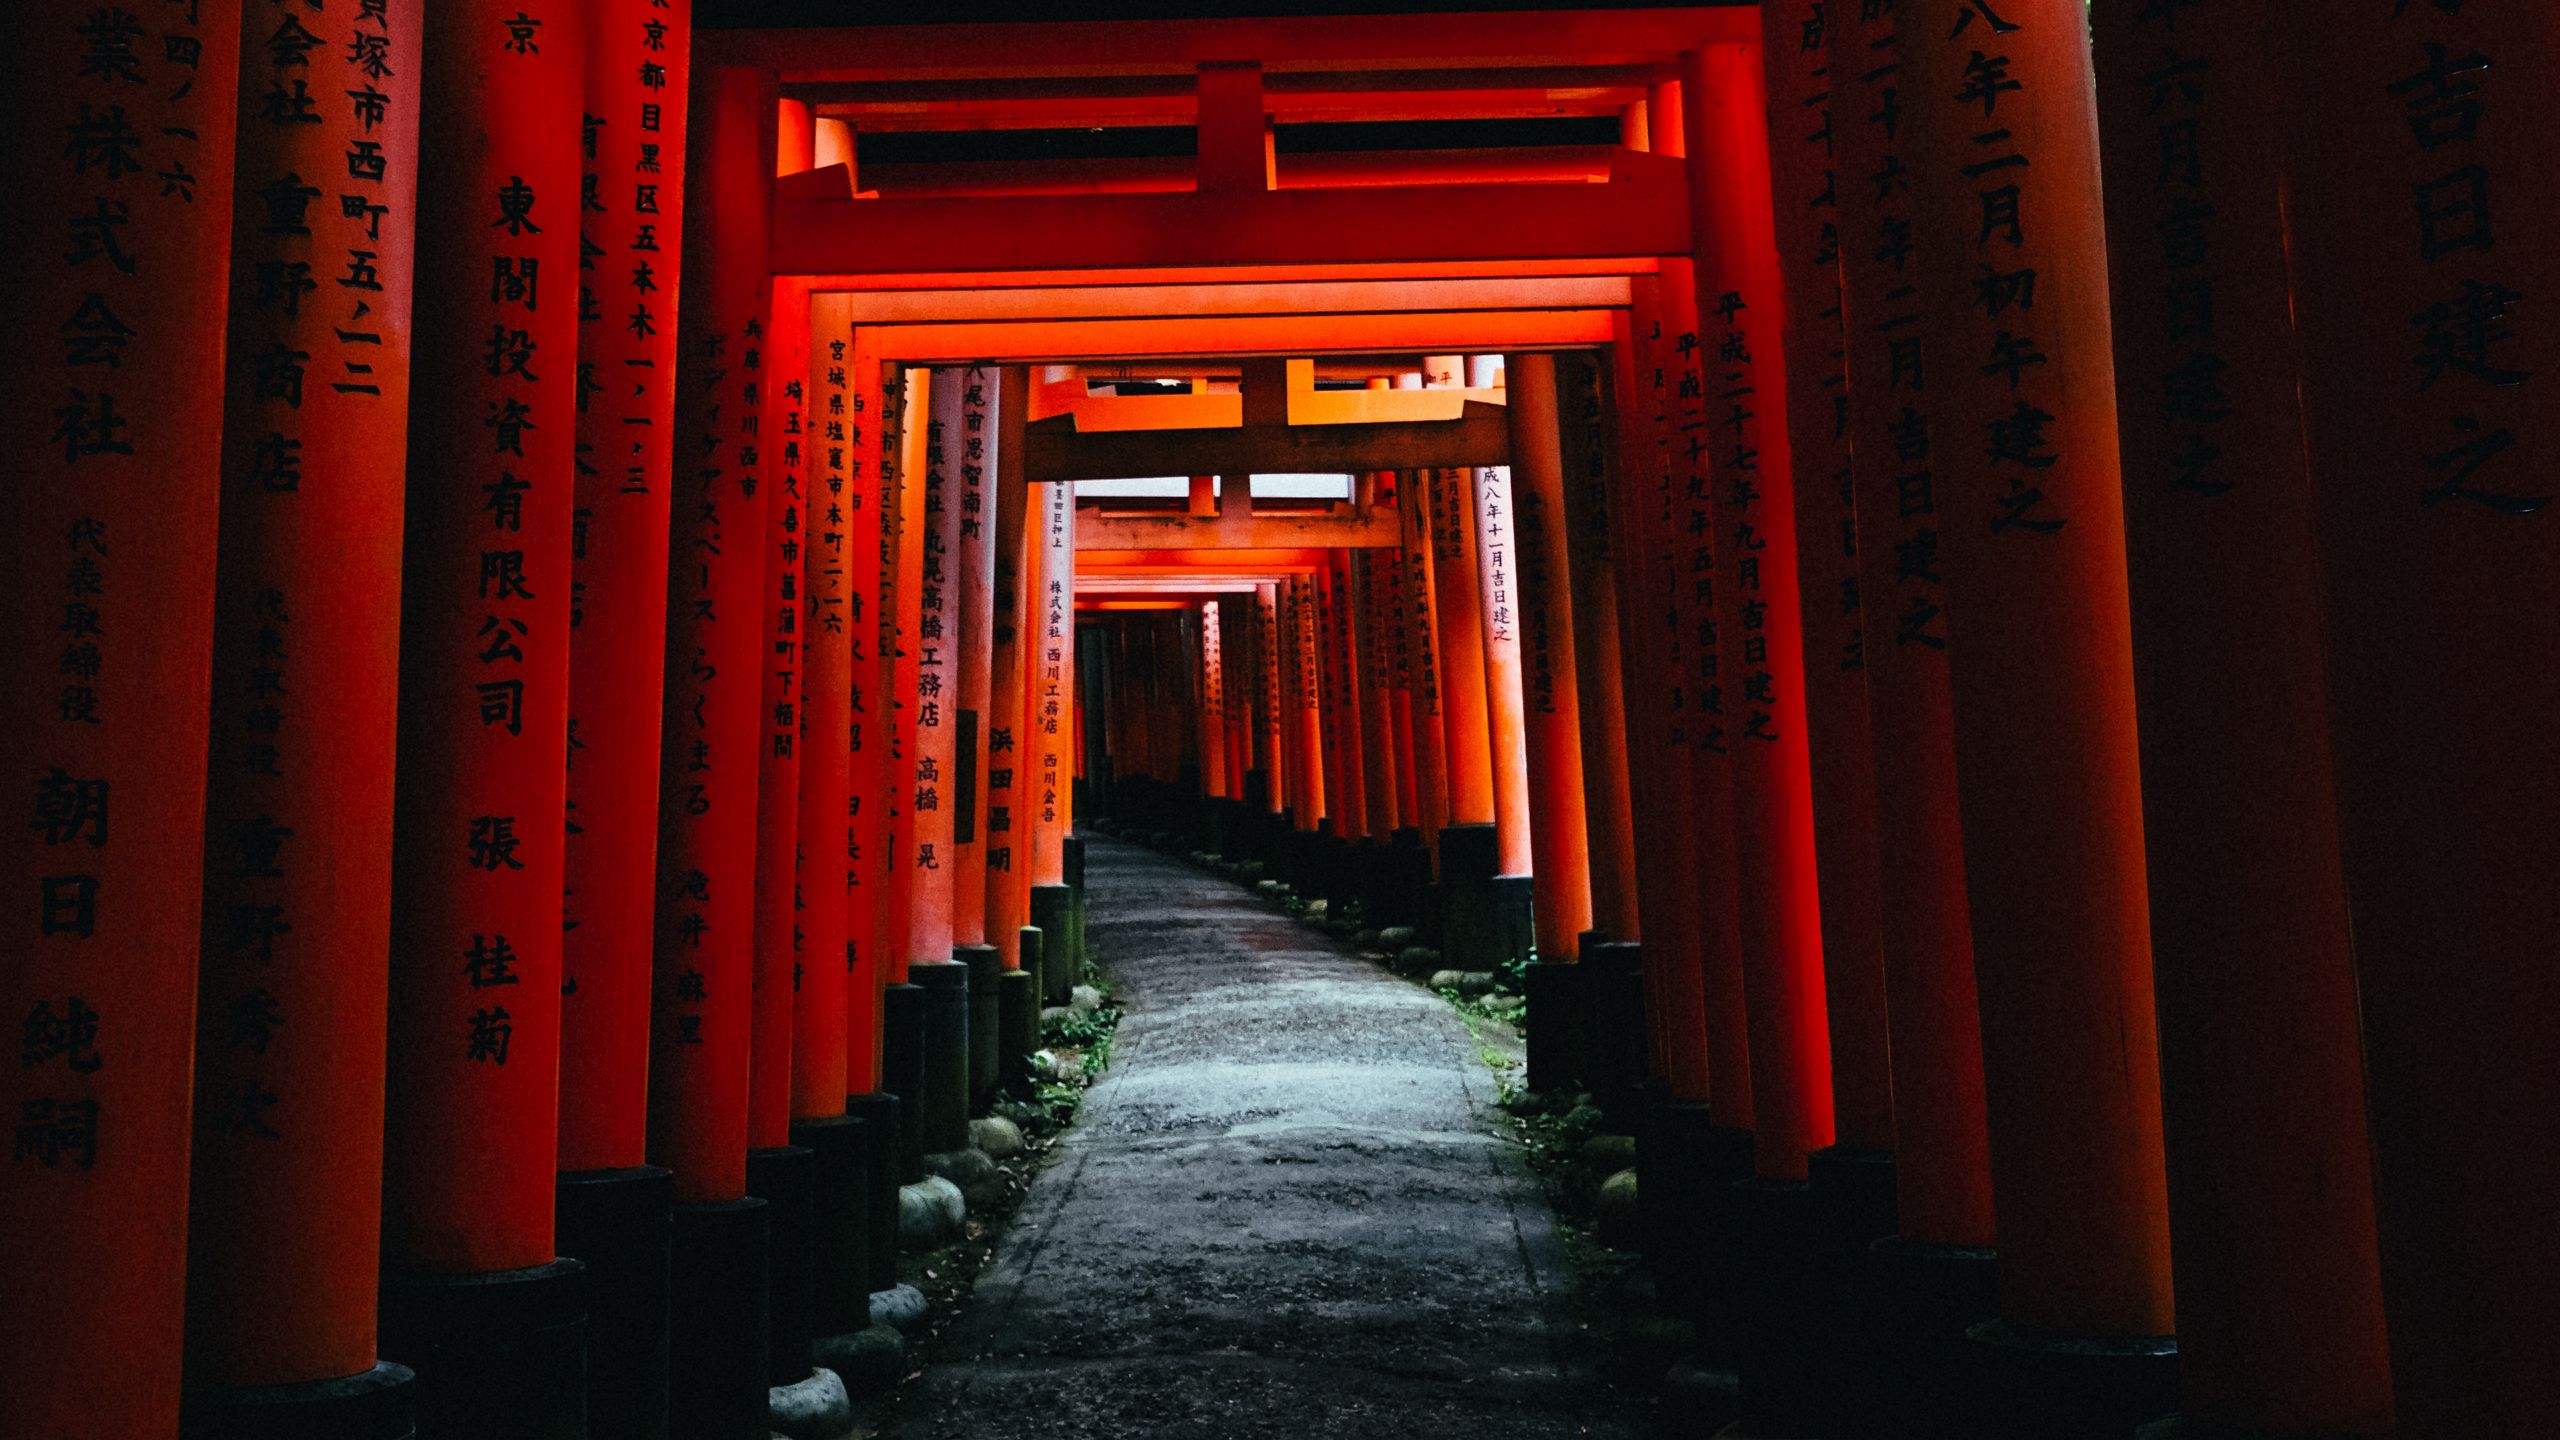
x: 1017, y: 1019
x: 1052, y: 908
x: 1615, y: 1049
x: 1514, y: 926
x: 942, y: 1106
x: 1558, y: 1022
x: 785, y: 1178
x: 985, y: 964
x: 615, y: 1222
x: 2036, y: 1385
x: 500, y: 1355
x: 839, y: 1298
x: 1071, y: 857
x: 902, y: 1070
x: 879, y: 1113
x: 718, y: 1322
x: 376, y: 1405
x: 1768, y: 1279
x: 1469, y: 855
x: 1920, y: 1301
x: 1684, y: 1162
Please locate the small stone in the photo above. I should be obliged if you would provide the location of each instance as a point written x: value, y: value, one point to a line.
x: 869, y: 1360
x: 900, y: 1307
x: 1084, y: 999
x: 1585, y: 1117
x: 1064, y: 1069
x: 1477, y: 982
x: 1268, y: 887
x: 1444, y: 979
x: 1524, y: 1102
x: 1316, y: 909
x: 1019, y: 1114
x: 1052, y: 1014
x: 1607, y: 1153
x: 814, y: 1409
x: 929, y: 1213
x: 963, y: 1168
x: 1251, y: 870
x: 1614, y: 1207
x: 1415, y: 959
x: 1365, y: 939
x: 998, y: 1136
x: 1396, y: 937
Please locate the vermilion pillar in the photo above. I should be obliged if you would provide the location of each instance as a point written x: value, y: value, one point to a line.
x: 477, y: 866
x: 284, y: 1235
x: 1051, y: 716
x: 632, y: 219
x: 1741, y: 311
x: 1591, y: 552
x: 113, y: 316
x: 2004, y: 167
x: 2271, y: 1220
x: 1550, y: 681
x: 866, y: 544
x: 1803, y: 68
x: 935, y: 703
x: 1942, y: 1165
x: 974, y: 469
x: 1376, y: 678
x: 1346, y: 775
x: 780, y: 667
x: 1649, y: 602
x: 1459, y: 613
x: 2423, y: 235
x: 1702, y: 685
x: 1420, y: 618
x: 1213, y: 703
x: 908, y: 414
x: 715, y: 644
x: 828, y: 612
x: 1306, y: 752
x: 1278, y: 772
x: 1008, y: 837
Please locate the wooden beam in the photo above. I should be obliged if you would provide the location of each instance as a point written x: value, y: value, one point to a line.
x: 961, y: 304
x: 1120, y: 101
x: 1100, y: 529
x: 1642, y: 211
x: 1061, y: 342
x: 1534, y: 38
x: 1055, y: 450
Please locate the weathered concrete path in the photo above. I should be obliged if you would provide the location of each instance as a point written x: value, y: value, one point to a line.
x: 1285, y: 1212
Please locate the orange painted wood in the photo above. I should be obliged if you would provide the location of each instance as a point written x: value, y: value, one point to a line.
x: 477, y: 869
x: 2271, y: 1215
x: 975, y: 463
x: 1741, y: 314
x: 1449, y: 507
x: 2042, y: 667
x: 1551, y: 708
x: 1942, y: 1162
x: 1803, y: 67
x: 638, y: 68
x: 782, y: 668
x: 1049, y: 699
x: 1008, y: 838
x: 902, y: 615
x: 284, y: 1230
x: 703, y: 992
x: 823, y: 976
x: 1591, y: 455
x: 934, y: 704
x: 113, y: 316
x: 2424, y: 241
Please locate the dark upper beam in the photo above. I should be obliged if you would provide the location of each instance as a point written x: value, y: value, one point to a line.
x: 1054, y: 450
x: 1642, y: 211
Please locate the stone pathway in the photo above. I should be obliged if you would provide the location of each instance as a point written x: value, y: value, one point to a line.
x: 1285, y: 1211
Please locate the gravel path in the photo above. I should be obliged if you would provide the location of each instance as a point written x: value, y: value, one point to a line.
x: 1285, y: 1210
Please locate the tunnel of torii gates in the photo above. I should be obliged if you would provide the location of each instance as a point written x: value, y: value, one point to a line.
x: 2007, y: 701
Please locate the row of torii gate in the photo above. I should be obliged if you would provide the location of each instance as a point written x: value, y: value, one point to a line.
x: 2077, y: 726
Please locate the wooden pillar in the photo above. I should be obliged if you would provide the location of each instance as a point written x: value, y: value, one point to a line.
x: 1422, y: 644
x: 702, y: 1020
x: 781, y: 667
x: 1007, y: 853
x: 1590, y: 454
x: 637, y: 69
x: 1804, y: 69
x: 1306, y: 754
x: 868, y: 545
x: 820, y: 1075
x: 901, y: 611
x: 1741, y: 311
x: 1498, y: 610
x: 114, y: 320
x: 974, y: 462
x: 1459, y: 613
x: 283, y: 1237
x: 1050, y: 703
x: 1376, y: 695
x: 1706, y: 723
x: 1942, y: 1166
x: 1650, y: 660
x: 1550, y: 680
x: 1278, y: 772
x: 2004, y: 165
x: 1346, y: 776
x: 2423, y: 240
x: 1390, y: 603
x: 935, y: 638
x: 1213, y: 705
x: 833, y: 142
